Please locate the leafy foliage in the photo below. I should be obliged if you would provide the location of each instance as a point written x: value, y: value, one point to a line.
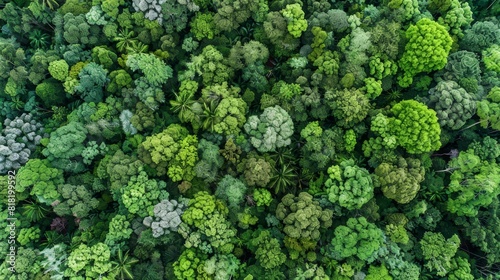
x: 249, y: 139
x: 435, y: 39
x: 349, y: 185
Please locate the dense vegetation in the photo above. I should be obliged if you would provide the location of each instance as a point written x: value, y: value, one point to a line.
x: 250, y: 139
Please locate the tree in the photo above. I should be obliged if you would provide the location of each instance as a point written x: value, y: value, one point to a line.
x: 210, y: 161
x: 230, y: 116
x: 358, y: 238
x: 119, y: 232
x: 85, y: 261
x: 176, y: 14
x: 20, y: 138
x: 188, y: 265
x: 491, y: 58
x: 230, y: 14
x: 210, y: 65
x: 257, y: 172
x: 271, y: 130
x: 173, y: 151
x: 51, y: 93
x: 96, y: 16
x: 457, y: 16
x: 349, y: 185
x: 414, y: 127
x: 27, y: 265
x: 302, y: 219
x: 40, y: 179
x: 78, y: 31
x: 481, y: 36
x: 431, y: 37
x: 262, y: 197
x: 143, y: 118
x: 77, y: 201
x: 54, y: 260
x: 28, y: 235
x: 438, y: 251
x: 118, y: 79
x: 250, y: 53
x: 488, y: 149
x: 454, y: 106
x: 473, y: 183
x: 267, y: 249
x: 156, y: 73
x: 322, y: 147
x: 167, y: 217
x: 378, y: 273
x: 111, y: 7
x: 202, y: 26
x: 349, y: 107
x: 104, y: 56
x: 231, y: 190
x: 488, y: 110
x: 206, y: 218
x: 460, y: 269
x: 295, y: 17
x: 59, y: 69
x: 462, y: 67
x: 276, y: 30
x: 141, y: 194
x: 222, y: 266
x: 481, y: 230
x: 93, y: 77
x: 151, y: 10
x: 119, y: 168
x: 65, y: 144
x: 400, y: 181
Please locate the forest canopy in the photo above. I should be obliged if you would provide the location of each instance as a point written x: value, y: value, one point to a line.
x: 250, y: 139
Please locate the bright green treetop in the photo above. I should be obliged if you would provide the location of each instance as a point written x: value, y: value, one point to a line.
x: 428, y: 46
x: 42, y: 178
x: 295, y: 17
x: 349, y: 185
x: 141, y: 194
x: 438, y: 251
x: 413, y: 126
x: 358, y: 238
x: 474, y: 183
x: 172, y: 151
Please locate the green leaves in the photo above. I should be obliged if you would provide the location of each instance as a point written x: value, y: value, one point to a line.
x: 42, y: 179
x: 123, y: 266
x: 489, y: 111
x: 473, y: 184
x: 172, y: 151
x: 295, y: 17
x: 271, y: 130
x: 349, y: 185
x: 89, y: 261
x: 400, y: 181
x: 267, y: 249
x: 426, y: 36
x: 358, y: 238
x: 438, y: 251
x: 141, y: 194
x: 302, y: 219
x: 414, y: 127
x: 156, y: 73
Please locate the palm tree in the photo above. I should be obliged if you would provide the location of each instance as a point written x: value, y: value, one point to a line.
x: 51, y: 4
x: 182, y: 105
x: 126, y: 40
x: 123, y: 267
